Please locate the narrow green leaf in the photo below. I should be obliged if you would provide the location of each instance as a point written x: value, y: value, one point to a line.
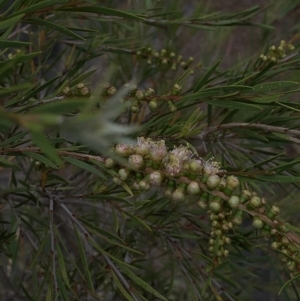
x: 121, y: 287
x: 127, y: 188
x: 41, y: 158
x: 41, y: 88
x: 82, y: 77
x: 62, y: 289
x: 265, y: 87
x: 49, y: 293
x: 104, y: 11
x: 46, y: 147
x: 40, y: 250
x: 288, y: 282
x: 12, y: 89
x: 265, y: 98
x: 279, y: 179
x: 13, y: 44
x: 141, y: 282
x: 84, y: 260
x: 13, y: 139
x: 206, y: 76
x: 62, y: 266
x: 103, y: 232
x: 6, y: 163
x: 85, y: 166
x: 54, y: 26
x: 108, y: 197
x: 11, y: 21
x: 233, y: 105
x: 136, y: 219
x: 60, y: 106
x: 36, y: 7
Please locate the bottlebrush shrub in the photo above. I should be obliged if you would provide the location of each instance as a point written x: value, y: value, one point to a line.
x: 129, y: 170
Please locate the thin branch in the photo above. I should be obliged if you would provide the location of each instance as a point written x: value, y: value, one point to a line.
x: 264, y: 127
x: 20, y: 224
x: 38, y: 103
x: 86, y: 234
x: 60, y: 152
x: 52, y: 244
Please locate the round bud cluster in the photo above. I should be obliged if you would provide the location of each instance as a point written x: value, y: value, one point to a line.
x: 182, y: 177
x: 276, y: 53
x: 79, y: 90
x: 288, y: 253
x: 167, y: 59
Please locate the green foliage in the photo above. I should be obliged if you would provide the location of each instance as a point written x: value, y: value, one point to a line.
x: 89, y: 210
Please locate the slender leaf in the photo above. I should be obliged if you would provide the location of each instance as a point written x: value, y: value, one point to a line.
x: 85, y: 166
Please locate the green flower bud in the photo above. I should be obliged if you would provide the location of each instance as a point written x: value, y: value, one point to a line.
x: 272, y: 48
x: 225, y: 227
x: 123, y: 149
x: 226, y: 253
x: 176, y: 89
x: 109, y: 163
x: 233, y: 181
x: 215, y: 224
x: 66, y: 90
x: 123, y: 173
x: 284, y: 228
x: 38, y: 165
x: 202, y: 205
x: 291, y: 265
x: 85, y: 91
x: 149, y: 92
x: 275, y: 245
x: 193, y: 188
x: 213, y: 182
x: 245, y: 196
x: 215, y: 206
x: 178, y: 195
x: 291, y: 46
x: 164, y: 61
x: 285, y: 241
x: 184, y: 65
x: 111, y: 91
x: 273, y: 212
x: 227, y: 240
x: 255, y: 202
x: 203, y: 199
x: 144, y: 185
x: 135, y: 185
x: 222, y: 185
x: 237, y: 218
x: 156, y: 178
x: 174, y: 66
x: 136, y: 161
x: 105, y: 86
x: 117, y: 180
x: 153, y: 105
x: 171, y: 106
x: 139, y: 95
x: 135, y: 109
x: 234, y: 201
x: 172, y: 54
x: 80, y: 86
x: 179, y: 58
x: 257, y: 223
x: 163, y: 52
x: 195, y: 166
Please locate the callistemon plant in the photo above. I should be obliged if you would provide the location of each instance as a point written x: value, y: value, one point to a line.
x: 147, y: 154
